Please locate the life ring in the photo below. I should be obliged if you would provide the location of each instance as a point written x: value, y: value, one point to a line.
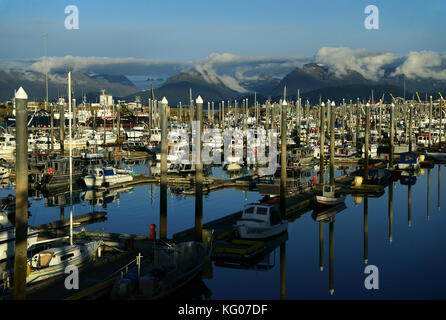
x: 50, y: 170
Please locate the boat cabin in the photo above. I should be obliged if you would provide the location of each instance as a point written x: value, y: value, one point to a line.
x: 56, y: 256
x: 263, y: 213
x: 329, y: 191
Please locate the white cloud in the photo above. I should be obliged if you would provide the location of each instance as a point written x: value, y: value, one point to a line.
x: 423, y: 64
x: 368, y: 64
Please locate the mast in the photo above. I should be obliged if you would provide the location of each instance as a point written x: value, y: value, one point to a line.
x: 71, y: 160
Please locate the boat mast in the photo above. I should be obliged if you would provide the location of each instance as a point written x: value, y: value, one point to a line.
x: 71, y: 160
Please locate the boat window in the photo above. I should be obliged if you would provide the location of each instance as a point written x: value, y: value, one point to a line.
x: 66, y: 256
x: 261, y: 210
x: 249, y: 210
x: 327, y: 189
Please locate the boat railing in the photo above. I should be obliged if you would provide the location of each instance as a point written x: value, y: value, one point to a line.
x: 124, y: 270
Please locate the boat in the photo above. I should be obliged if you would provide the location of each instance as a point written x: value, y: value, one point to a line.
x: 7, y: 235
x: 260, y: 221
x: 329, y: 196
x: 408, y: 161
x: 172, y: 267
x: 107, y: 176
x: 53, y: 262
x: 408, y: 179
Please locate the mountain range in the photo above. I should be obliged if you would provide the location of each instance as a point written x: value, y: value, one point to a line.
x: 314, y: 81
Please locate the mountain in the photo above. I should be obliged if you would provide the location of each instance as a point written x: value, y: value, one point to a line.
x: 113, y: 79
x: 34, y: 84
x: 313, y: 76
x: 176, y: 89
x: 353, y: 92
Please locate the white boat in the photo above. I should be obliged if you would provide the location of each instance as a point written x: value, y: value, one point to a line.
x: 328, y: 196
x: 408, y: 161
x: 53, y: 262
x: 260, y: 221
x: 7, y: 237
x: 106, y: 177
x: 7, y: 144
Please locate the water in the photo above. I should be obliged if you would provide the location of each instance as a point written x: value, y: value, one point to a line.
x: 410, y: 267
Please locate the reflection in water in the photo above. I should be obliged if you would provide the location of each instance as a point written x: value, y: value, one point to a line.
x: 390, y: 211
x: 409, y: 204
x: 366, y: 229
x: 283, y: 271
x: 331, y: 251
x: 321, y: 245
x: 428, y: 193
x: 438, y: 195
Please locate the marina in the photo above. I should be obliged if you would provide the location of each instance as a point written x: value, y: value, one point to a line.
x: 139, y: 201
x: 221, y: 158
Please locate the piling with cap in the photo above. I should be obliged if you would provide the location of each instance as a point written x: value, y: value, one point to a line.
x: 21, y: 213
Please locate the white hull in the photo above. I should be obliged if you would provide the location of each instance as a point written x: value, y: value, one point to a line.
x: 330, y: 200
x: 252, y: 230
x: 95, y: 182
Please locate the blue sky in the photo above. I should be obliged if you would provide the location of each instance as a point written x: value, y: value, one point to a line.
x: 190, y: 30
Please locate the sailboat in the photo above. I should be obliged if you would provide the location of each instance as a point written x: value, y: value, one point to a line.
x: 53, y: 262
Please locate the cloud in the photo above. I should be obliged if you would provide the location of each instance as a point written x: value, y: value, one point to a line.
x: 342, y: 60
x: 108, y: 65
x: 232, y: 70
x: 423, y: 64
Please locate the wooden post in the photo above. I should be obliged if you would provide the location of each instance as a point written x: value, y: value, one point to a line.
x: 163, y: 180
x: 358, y: 120
x: 392, y: 133
x: 322, y: 143
x: 199, y: 174
x: 366, y: 145
x: 61, y: 128
x: 332, y: 141
x: 410, y: 126
x: 21, y: 213
x: 283, y: 160
x: 430, y: 122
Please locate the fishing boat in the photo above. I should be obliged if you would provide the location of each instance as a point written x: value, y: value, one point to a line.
x: 172, y: 267
x: 329, y: 196
x: 107, y: 176
x: 260, y: 221
x: 408, y: 161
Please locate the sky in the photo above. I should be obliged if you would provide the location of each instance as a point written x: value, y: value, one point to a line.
x: 229, y: 41
x: 191, y: 30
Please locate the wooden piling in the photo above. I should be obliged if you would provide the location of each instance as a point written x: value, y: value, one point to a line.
x: 163, y: 178
x: 21, y: 214
x: 322, y: 143
x: 283, y: 160
x: 199, y: 174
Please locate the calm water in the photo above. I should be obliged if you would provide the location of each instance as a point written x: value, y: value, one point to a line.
x: 410, y: 267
